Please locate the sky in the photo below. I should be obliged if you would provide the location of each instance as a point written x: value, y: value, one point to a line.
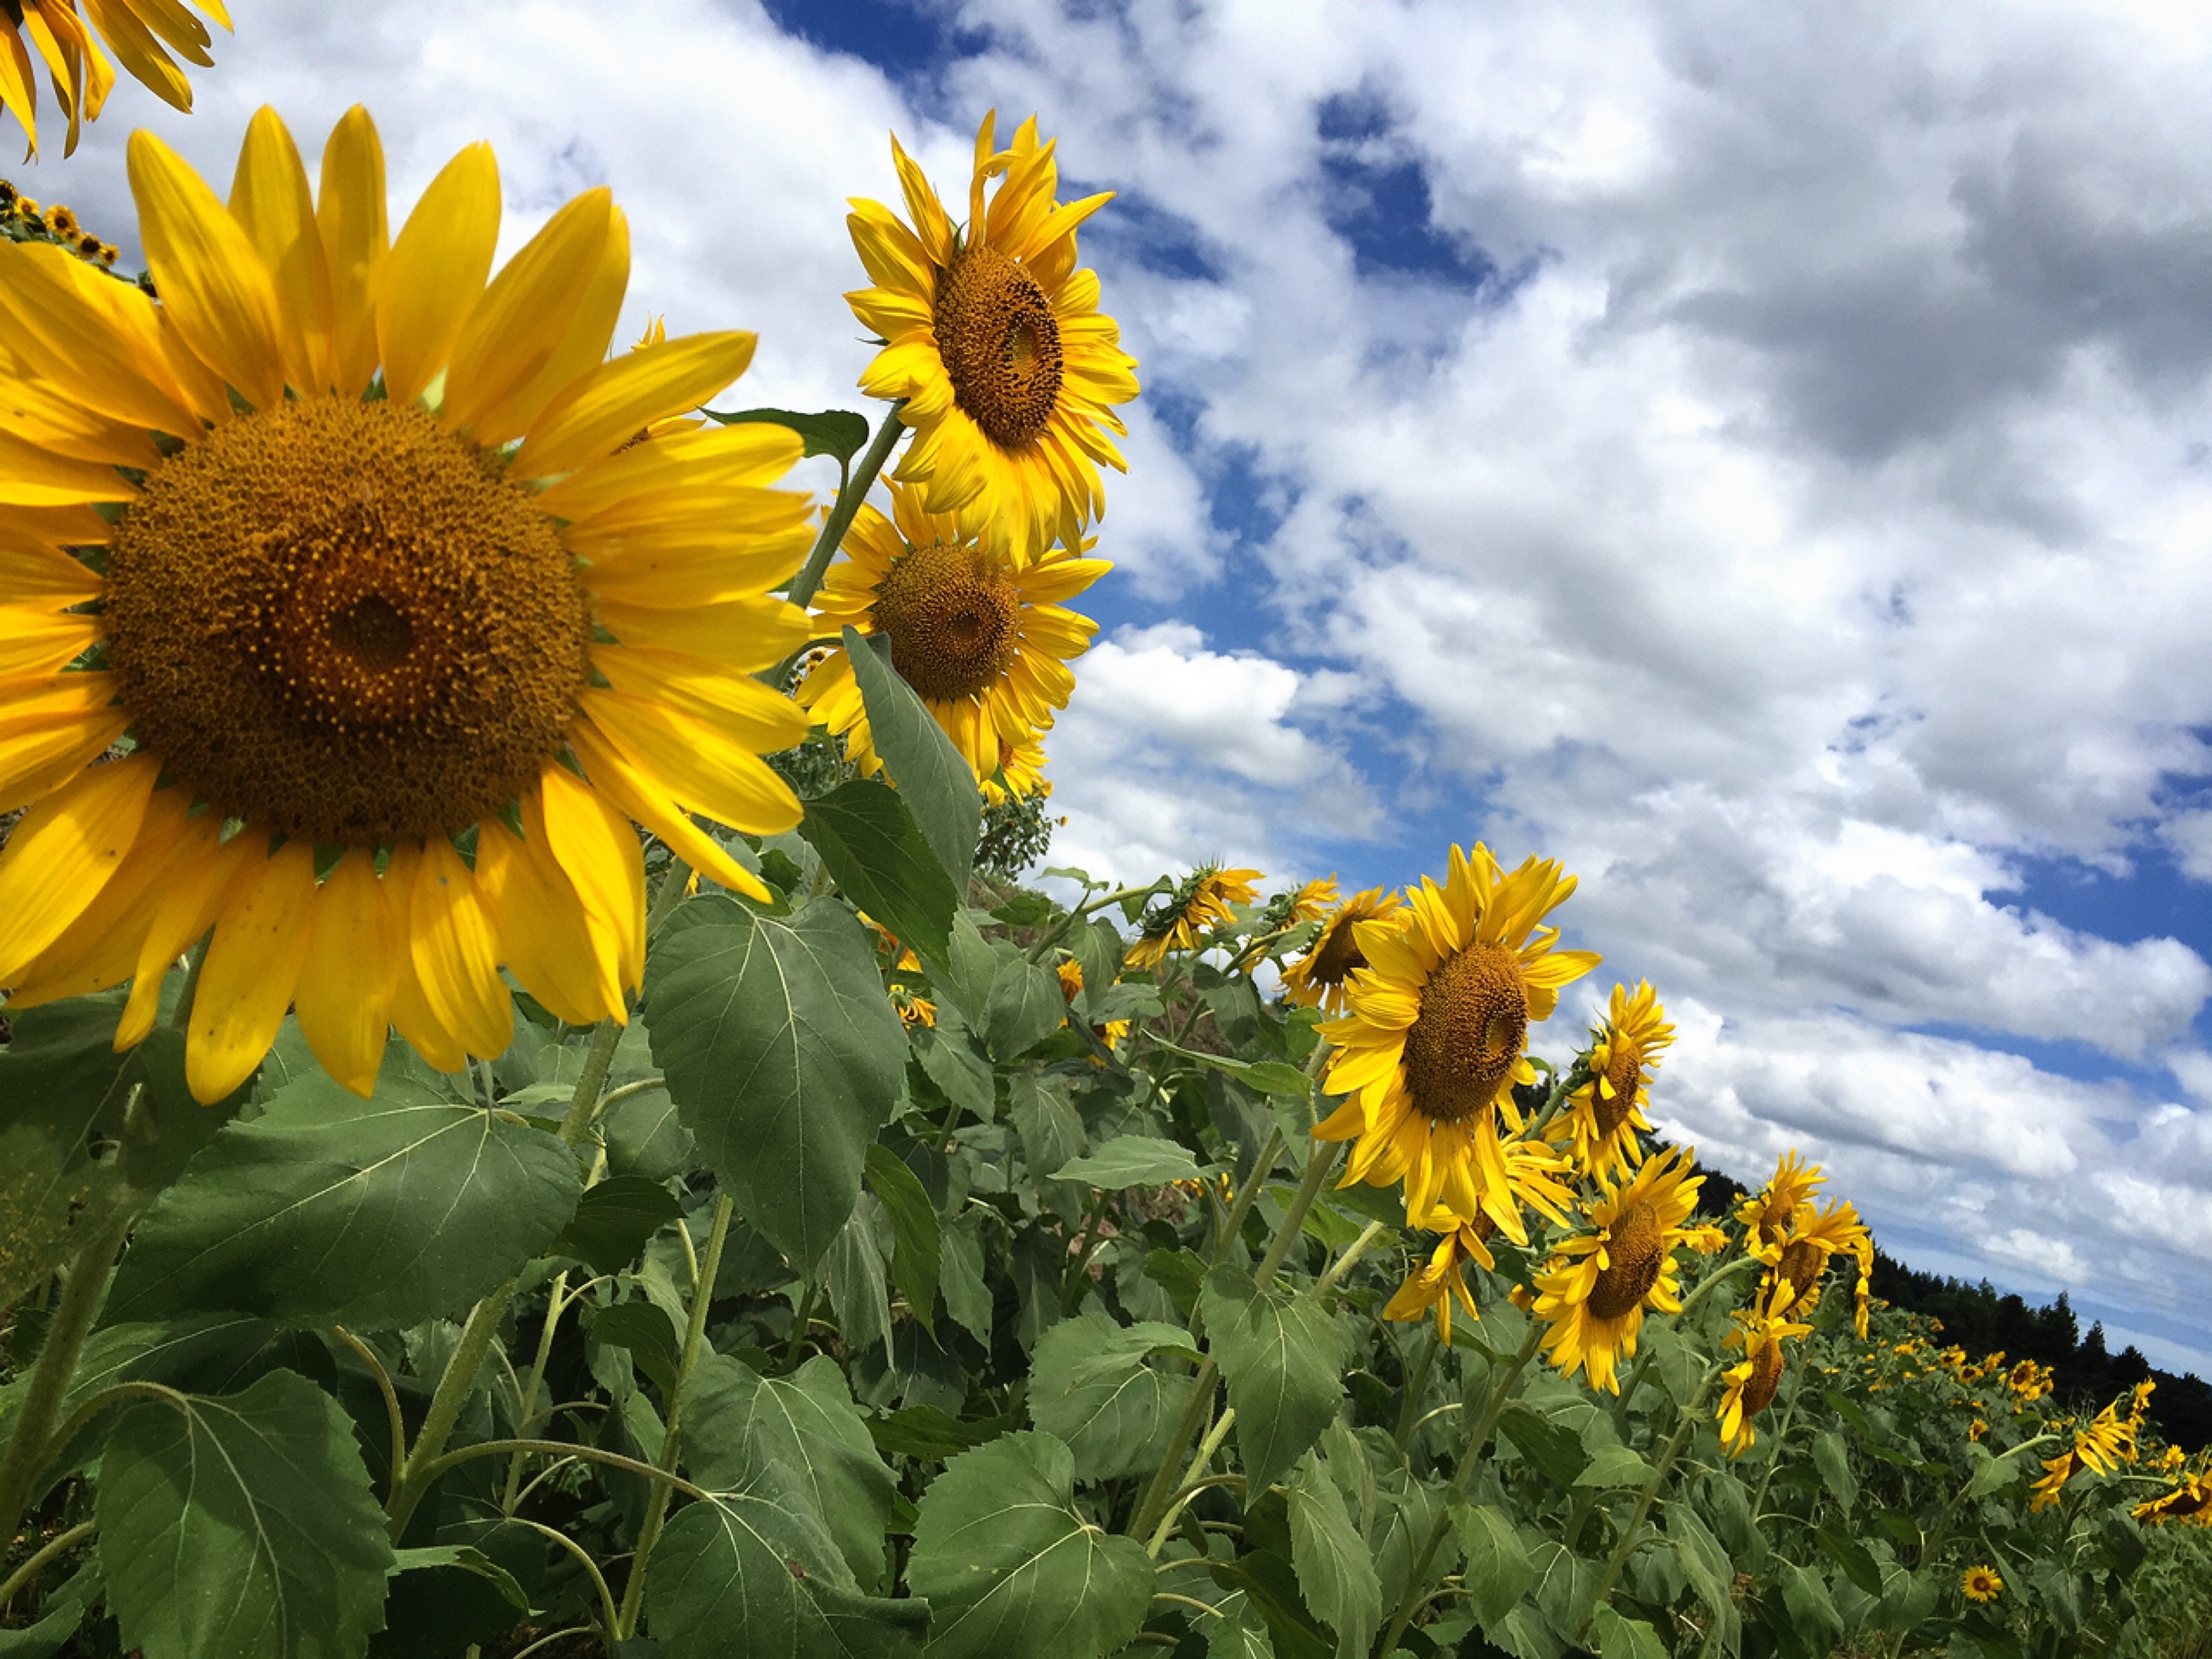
x: 1760, y: 456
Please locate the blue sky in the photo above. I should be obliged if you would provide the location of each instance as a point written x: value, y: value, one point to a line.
x: 1761, y: 458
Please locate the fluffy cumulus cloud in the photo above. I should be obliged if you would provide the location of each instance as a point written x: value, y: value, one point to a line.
x: 1760, y: 456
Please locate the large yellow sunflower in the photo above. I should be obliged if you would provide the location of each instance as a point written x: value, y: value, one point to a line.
x: 1203, y: 899
x: 137, y: 31
x: 983, y: 641
x: 400, y: 626
x: 1317, y: 979
x: 1751, y: 1384
x: 996, y: 341
x: 1594, y: 1293
x: 1433, y: 1040
x: 1603, y: 1116
x: 2102, y: 1447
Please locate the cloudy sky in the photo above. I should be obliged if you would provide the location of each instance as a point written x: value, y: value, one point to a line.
x: 1760, y: 456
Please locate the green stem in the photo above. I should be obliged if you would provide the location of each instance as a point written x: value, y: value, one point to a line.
x: 392, y: 1414
x: 554, y: 1309
x: 1782, y: 1436
x: 629, y: 1089
x: 1649, y: 1495
x: 1061, y: 929
x: 1345, y: 1263
x: 673, y: 881
x: 1493, y: 1408
x: 454, y: 1459
x: 633, y: 1592
x: 591, y: 1567
x: 584, y: 1104
x: 1320, y: 1157
x: 30, y: 1444
x: 1414, y: 1383
x: 850, y: 495
x: 1225, y: 1239
x: 1190, y: 1484
x: 415, y: 1476
x: 30, y: 1569
x: 1158, y: 1490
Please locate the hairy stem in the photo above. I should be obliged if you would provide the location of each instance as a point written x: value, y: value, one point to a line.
x: 30, y: 1569
x: 1191, y: 1485
x: 398, y: 1424
x: 1660, y: 1469
x: 415, y: 1476
x: 1321, y: 1157
x: 850, y: 495
x: 554, y: 1308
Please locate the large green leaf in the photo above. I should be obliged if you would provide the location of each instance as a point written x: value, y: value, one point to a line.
x: 377, y: 1213
x: 1498, y: 1569
x: 937, y: 781
x: 799, y: 1439
x: 241, y: 1527
x: 1131, y: 1161
x: 612, y: 1224
x: 784, y: 1057
x: 1026, y: 1004
x: 870, y: 841
x: 1043, y: 1112
x: 918, y: 1252
x: 1334, y: 1569
x: 1090, y: 1386
x: 1011, y: 1567
x: 1283, y: 1358
x: 751, y: 1577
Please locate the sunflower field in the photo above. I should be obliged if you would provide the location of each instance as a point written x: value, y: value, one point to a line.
x: 546, y: 1111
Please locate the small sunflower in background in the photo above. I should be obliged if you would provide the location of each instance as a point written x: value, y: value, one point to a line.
x: 1752, y: 1383
x: 1600, y: 1123
x: 1437, y: 1283
x: 1436, y: 1029
x: 380, y: 563
x: 984, y: 641
x: 1594, y: 1295
x: 1307, y: 902
x: 996, y: 341
x: 1318, y: 978
x: 1021, y: 773
x: 142, y: 33
x: 1203, y: 899
x: 1071, y: 986
x: 2189, y: 1502
x: 1797, y: 1256
x: 1767, y: 1214
x: 1981, y: 1584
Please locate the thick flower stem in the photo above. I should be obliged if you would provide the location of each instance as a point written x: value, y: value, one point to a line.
x: 1493, y: 1408
x: 850, y: 495
x: 30, y: 1443
x: 414, y: 1478
x: 1649, y: 1495
x: 633, y: 1592
x: 1321, y: 1157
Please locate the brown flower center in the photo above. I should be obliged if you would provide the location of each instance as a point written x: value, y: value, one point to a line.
x: 1000, y: 345
x: 1766, y: 1377
x: 338, y: 621
x: 1473, y: 1022
x: 1635, y: 1252
x: 1625, y: 1073
x: 1801, y: 1264
x: 953, y: 618
x: 1774, y: 1220
x: 1336, y: 953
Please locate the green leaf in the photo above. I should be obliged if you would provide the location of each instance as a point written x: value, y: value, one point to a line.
x: 1267, y: 1076
x: 1234, y: 1636
x: 936, y: 782
x: 1334, y: 1570
x: 1625, y: 1638
x: 1993, y: 1473
x: 1498, y: 1569
x: 1833, y: 1459
x: 1012, y: 1569
x: 645, y: 1136
x: 953, y: 1062
x: 1711, y: 1574
x: 645, y: 1332
x: 1851, y: 1555
x: 1026, y: 1006
x: 611, y: 1226
x: 1847, y: 1408
x: 1270, y: 1584
x: 241, y: 1527
x: 328, y: 1207
x: 468, y: 1558
x: 926, y: 1433
x: 1283, y: 1358
x: 61, y: 1611
x: 967, y: 1297
x: 1090, y: 1387
x: 799, y: 1439
x: 1615, y: 1466
x: 916, y: 1260
x: 871, y: 843
x: 1805, y: 1593
x: 854, y: 1269
x: 749, y: 1578
x: 834, y: 431
x: 1180, y: 1273
x: 1553, y: 1448
x: 784, y: 1055
x: 1131, y: 1161
x: 1052, y: 1134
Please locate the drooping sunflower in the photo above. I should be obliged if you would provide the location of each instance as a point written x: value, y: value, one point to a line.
x: 1594, y: 1293
x: 1307, y: 902
x: 1435, y: 1027
x: 141, y: 32
x: 382, y: 575
x: 1317, y: 979
x: 985, y: 642
x: 1752, y: 1383
x: 1437, y: 1283
x: 1797, y: 1256
x: 2107, y: 1443
x: 995, y: 340
x: 1981, y: 1584
x: 1600, y: 1123
x: 1071, y: 987
x: 1204, y: 898
x: 2189, y: 1502
x: 1767, y: 1214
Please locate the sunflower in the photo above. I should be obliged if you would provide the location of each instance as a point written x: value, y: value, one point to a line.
x: 1308, y: 901
x: 1203, y: 899
x: 1317, y: 979
x: 1768, y: 1215
x: 2030, y: 1382
x: 2189, y: 1502
x: 1431, y: 1042
x: 1751, y: 1384
x: 2101, y: 1448
x: 137, y: 31
x: 1981, y: 1584
x: 983, y: 641
x: 1594, y: 1293
x: 1797, y: 1255
x: 1021, y: 773
x: 1071, y: 986
x: 1435, y: 1284
x: 382, y: 577
x: 995, y: 339
x: 1604, y: 1115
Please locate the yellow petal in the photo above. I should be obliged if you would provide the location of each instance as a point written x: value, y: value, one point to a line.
x: 431, y: 278
x: 523, y: 317
x: 751, y: 452
x: 543, y: 932
x: 584, y: 347
x: 737, y: 705
x: 62, y: 851
x: 696, y: 763
x: 269, y: 196
x: 120, y: 26
x: 102, y: 343
x: 48, y: 577
x: 599, y: 853
x: 456, y: 954
x: 35, y: 642
x: 101, y: 948
x: 19, y: 84
x: 350, y: 213
x: 261, y: 942
x: 410, y: 1010
x: 745, y: 634
x: 214, y: 290
x: 608, y: 407
x: 189, y: 905
x: 52, y: 728
x: 613, y: 775
x: 346, y: 989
